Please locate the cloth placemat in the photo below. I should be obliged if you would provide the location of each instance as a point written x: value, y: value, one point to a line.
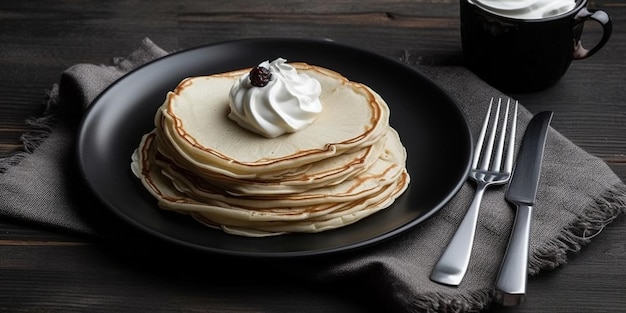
x: 578, y: 196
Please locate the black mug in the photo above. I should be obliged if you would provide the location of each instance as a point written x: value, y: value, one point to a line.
x: 523, y: 55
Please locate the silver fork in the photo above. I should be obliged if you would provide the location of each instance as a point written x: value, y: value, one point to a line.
x: 453, y: 263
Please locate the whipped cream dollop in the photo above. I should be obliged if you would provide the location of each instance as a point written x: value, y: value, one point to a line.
x: 288, y: 103
x: 526, y: 9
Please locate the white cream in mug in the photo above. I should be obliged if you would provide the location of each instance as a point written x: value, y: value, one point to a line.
x: 526, y: 9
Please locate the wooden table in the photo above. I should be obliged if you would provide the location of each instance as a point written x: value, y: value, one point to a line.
x: 47, y: 271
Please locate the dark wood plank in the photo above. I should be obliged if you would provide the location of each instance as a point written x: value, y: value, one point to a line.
x: 100, y: 281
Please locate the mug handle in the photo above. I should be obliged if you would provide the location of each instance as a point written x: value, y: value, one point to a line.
x: 607, y: 28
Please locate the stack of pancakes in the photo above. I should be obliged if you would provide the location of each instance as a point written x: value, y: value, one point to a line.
x: 346, y: 165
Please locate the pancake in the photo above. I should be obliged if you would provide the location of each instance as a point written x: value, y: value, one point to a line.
x: 194, y: 120
x: 264, y: 217
x: 388, y: 166
x: 326, y: 172
x: 346, y: 165
x: 348, y: 215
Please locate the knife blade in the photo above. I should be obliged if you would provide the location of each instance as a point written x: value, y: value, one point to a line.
x: 510, y: 286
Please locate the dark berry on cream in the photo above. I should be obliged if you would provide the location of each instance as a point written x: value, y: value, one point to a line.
x: 260, y: 76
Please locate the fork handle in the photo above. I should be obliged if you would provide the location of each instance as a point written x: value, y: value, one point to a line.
x: 454, y: 261
x: 511, y: 282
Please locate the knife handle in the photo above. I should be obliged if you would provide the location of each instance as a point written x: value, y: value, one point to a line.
x: 511, y: 282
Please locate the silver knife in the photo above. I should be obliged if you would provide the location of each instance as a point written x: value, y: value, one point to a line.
x: 511, y: 282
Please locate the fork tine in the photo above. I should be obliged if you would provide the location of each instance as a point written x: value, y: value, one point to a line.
x: 508, y: 163
x: 495, y: 166
x: 487, y: 155
x: 481, y: 137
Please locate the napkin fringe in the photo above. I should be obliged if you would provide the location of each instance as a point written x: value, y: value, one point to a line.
x: 473, y: 301
x: 40, y: 129
x: 579, y: 233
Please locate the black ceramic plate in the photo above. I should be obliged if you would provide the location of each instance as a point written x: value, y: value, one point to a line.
x: 430, y: 124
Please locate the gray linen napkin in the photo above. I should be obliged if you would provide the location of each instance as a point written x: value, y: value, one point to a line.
x: 40, y: 185
x: 578, y: 196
